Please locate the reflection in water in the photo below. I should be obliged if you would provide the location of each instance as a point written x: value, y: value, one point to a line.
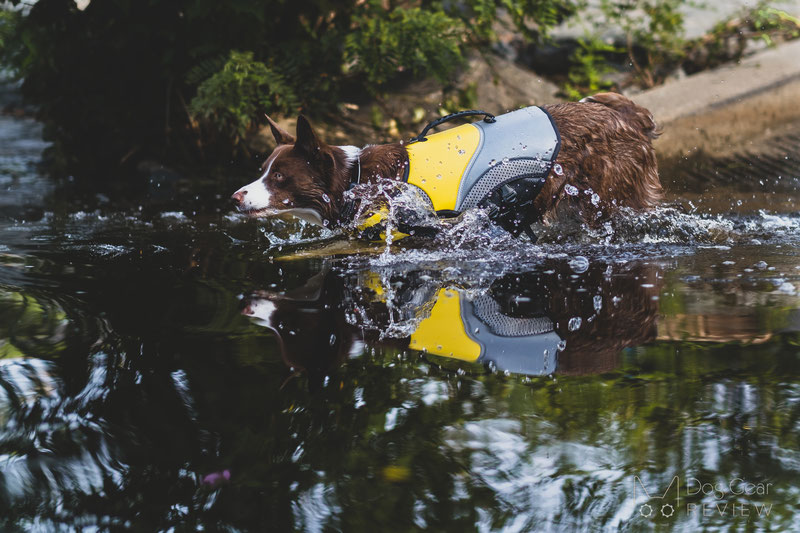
x: 563, y: 318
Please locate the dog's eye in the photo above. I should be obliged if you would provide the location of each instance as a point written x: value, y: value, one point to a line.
x: 280, y: 178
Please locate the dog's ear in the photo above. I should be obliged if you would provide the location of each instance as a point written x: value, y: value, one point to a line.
x: 307, y: 140
x: 281, y: 136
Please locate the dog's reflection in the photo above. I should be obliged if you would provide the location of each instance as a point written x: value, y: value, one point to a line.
x: 553, y: 320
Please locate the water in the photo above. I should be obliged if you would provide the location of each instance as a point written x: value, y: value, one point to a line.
x: 166, y: 364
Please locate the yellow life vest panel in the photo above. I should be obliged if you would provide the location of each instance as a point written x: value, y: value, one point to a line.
x: 461, y: 167
x: 477, y: 330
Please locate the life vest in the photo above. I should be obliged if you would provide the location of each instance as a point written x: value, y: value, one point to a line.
x: 478, y: 331
x: 500, y: 165
x: 475, y: 329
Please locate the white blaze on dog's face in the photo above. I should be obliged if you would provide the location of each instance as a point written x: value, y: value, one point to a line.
x: 295, y: 179
x: 261, y: 311
x: 281, y: 188
x: 256, y: 197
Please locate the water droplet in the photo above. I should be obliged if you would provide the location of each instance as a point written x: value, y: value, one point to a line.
x: 462, y: 152
x: 598, y: 302
x: 286, y: 201
x: 595, y: 199
x: 579, y: 264
x: 562, y: 345
x: 438, y: 176
x: 571, y: 190
x: 505, y: 160
x: 332, y: 340
x: 574, y: 323
x: 492, y: 163
x: 326, y: 198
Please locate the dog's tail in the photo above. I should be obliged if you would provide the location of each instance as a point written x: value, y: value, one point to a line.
x: 639, y: 116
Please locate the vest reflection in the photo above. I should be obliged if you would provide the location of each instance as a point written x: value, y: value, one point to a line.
x: 552, y: 320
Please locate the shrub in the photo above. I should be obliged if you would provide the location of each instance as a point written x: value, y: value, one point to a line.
x: 229, y: 99
x: 423, y: 42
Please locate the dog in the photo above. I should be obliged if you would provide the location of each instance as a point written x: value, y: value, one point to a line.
x: 587, y: 159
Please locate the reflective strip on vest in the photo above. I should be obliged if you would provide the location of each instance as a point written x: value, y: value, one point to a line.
x: 459, y: 167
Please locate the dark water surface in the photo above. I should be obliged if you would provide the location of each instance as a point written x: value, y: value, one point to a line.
x: 165, y: 364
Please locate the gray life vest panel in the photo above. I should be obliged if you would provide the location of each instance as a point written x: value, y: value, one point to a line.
x: 463, y: 167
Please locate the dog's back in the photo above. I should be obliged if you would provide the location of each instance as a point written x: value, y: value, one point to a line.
x: 634, y: 114
x: 607, y: 158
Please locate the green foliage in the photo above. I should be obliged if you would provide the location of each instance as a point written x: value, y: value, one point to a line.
x: 423, y: 42
x: 729, y: 40
x: 30, y: 326
x: 230, y: 99
x: 766, y: 20
x: 652, y: 45
x: 532, y: 18
x: 182, y: 79
x: 656, y: 27
x: 589, y: 67
x: 8, y: 27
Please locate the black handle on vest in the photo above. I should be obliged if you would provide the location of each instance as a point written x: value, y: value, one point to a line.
x: 488, y: 118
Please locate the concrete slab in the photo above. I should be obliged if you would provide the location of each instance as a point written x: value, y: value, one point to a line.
x: 716, y: 110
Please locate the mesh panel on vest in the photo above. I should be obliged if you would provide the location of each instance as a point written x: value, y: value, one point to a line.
x: 501, y: 173
x: 488, y: 311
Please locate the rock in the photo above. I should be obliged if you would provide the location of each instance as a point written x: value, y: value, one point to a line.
x: 503, y: 86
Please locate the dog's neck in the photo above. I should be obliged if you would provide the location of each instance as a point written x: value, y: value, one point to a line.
x: 375, y: 162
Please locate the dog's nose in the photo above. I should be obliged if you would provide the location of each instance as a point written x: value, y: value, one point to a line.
x: 247, y: 310
x: 238, y: 197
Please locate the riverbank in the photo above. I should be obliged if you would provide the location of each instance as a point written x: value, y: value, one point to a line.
x: 718, y: 111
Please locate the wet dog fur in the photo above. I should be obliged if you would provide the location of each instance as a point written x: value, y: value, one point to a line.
x: 606, y: 150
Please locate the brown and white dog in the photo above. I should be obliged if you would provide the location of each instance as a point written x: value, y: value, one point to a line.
x: 606, y: 147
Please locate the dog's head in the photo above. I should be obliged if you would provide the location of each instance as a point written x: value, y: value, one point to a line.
x: 309, y: 324
x: 303, y: 177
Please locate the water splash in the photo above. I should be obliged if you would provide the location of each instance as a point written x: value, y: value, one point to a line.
x: 401, y: 218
